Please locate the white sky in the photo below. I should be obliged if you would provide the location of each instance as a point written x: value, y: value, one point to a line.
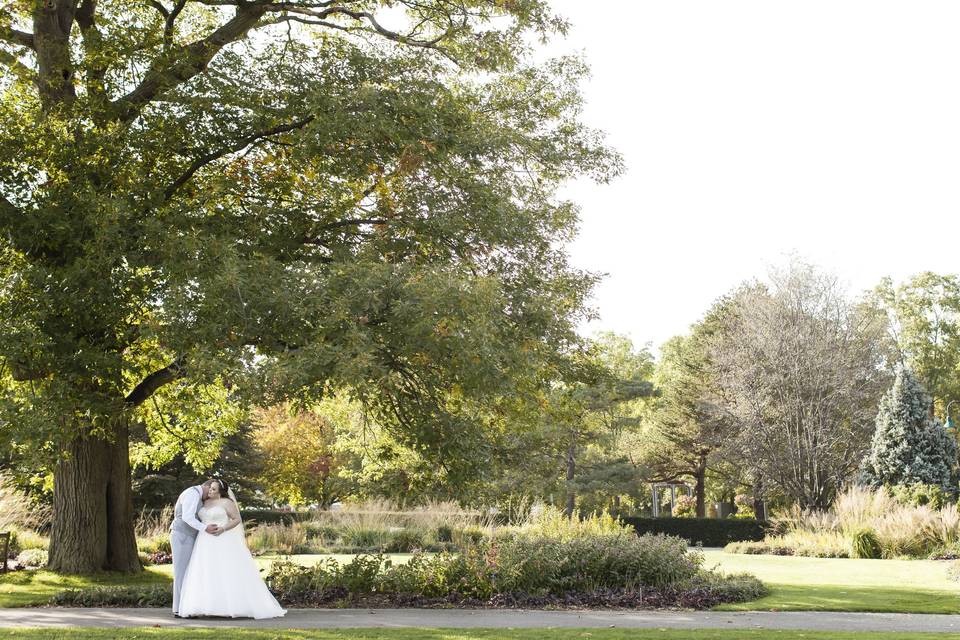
x: 752, y: 129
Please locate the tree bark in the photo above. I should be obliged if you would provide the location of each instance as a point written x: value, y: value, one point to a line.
x: 758, y: 507
x: 571, y: 470
x: 701, y: 488
x: 92, y: 526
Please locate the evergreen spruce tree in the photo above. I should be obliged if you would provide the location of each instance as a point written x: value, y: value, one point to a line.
x: 908, y: 445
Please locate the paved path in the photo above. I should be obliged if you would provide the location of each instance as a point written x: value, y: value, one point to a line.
x: 463, y: 618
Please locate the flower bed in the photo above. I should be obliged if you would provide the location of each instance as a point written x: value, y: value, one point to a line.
x: 609, y: 571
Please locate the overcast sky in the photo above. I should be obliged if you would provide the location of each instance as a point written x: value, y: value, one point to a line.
x: 753, y: 129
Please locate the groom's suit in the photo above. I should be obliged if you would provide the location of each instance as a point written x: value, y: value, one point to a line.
x: 183, y: 535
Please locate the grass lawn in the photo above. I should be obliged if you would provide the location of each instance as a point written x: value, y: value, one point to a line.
x: 797, y: 584
x: 841, y: 584
x: 457, y: 634
x: 27, y: 588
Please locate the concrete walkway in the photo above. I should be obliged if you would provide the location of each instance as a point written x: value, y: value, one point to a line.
x: 491, y: 618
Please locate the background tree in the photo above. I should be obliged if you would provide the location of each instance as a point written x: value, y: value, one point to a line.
x: 909, y: 446
x: 157, y: 484
x: 924, y: 320
x: 688, y: 426
x: 256, y: 200
x: 592, y: 411
x: 802, y: 370
x: 298, y: 448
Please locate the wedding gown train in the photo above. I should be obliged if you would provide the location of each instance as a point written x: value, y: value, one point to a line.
x: 222, y: 578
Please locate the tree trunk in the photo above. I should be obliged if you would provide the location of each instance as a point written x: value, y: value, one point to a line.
x: 571, y: 470
x: 759, y: 509
x: 92, y: 526
x: 701, y: 488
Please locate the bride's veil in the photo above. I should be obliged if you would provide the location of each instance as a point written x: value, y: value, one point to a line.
x: 232, y: 496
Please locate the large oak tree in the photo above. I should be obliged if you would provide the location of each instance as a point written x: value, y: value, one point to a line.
x: 205, y: 203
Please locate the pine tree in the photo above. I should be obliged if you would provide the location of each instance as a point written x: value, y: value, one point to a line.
x: 909, y: 446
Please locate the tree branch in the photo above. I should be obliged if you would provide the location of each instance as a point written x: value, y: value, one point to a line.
x: 171, y: 19
x: 159, y: 7
x: 173, y: 68
x: 86, y: 20
x: 14, y: 36
x: 213, y: 156
x: 307, y: 15
x: 52, y: 23
x: 149, y: 385
x: 17, y: 67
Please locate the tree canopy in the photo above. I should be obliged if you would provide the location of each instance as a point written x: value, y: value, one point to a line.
x: 206, y: 204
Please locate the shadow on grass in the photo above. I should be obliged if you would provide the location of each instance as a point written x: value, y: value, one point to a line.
x: 32, y: 588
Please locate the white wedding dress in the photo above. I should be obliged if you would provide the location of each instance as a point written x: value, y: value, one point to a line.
x: 222, y: 578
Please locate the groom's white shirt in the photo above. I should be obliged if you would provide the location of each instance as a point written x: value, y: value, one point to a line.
x: 189, y: 501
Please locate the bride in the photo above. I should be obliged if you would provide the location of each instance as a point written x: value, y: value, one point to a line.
x: 222, y: 578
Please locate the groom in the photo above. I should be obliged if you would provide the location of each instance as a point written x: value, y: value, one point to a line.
x: 183, y: 533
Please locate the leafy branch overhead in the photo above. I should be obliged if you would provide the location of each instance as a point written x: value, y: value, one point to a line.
x: 257, y: 201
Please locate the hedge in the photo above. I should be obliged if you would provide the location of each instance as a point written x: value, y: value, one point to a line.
x: 710, y: 532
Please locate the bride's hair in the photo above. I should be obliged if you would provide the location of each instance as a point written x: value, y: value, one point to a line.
x: 223, y: 486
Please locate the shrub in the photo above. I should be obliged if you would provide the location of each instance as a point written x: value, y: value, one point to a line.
x: 865, y: 544
x: 706, y: 531
x: 744, y: 504
x: 533, y: 565
x: 366, y: 538
x: 796, y: 543
x: 153, y: 523
x: 322, y: 532
x: 685, y: 507
x: 759, y: 548
x: 17, y: 511
x: 362, y: 574
x: 551, y: 522
x: 34, y: 558
x: 919, y: 494
x: 129, y: 596
x: 524, y: 568
x: 466, y: 537
x: 900, y: 530
x: 444, y: 533
x: 278, y: 538
x: 405, y: 540
x: 29, y: 539
x: 740, y: 587
x: 815, y: 544
x: 159, y: 543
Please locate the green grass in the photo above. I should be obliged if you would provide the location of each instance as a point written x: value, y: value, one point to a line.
x: 841, y: 584
x: 29, y: 588
x: 457, y: 634
x: 797, y: 584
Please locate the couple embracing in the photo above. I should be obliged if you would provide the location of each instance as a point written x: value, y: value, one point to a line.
x: 213, y: 571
